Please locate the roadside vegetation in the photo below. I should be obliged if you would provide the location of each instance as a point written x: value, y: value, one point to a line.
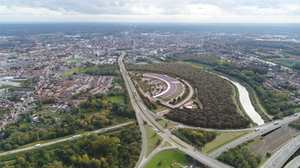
x: 222, y: 139
x: 240, y: 157
x: 295, y: 124
x: 121, y: 149
x: 195, y: 137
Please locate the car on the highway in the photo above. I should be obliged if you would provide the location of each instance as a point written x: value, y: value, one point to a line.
x: 257, y: 129
x: 277, y: 122
x: 295, y: 114
x: 8, y: 152
x: 37, y: 145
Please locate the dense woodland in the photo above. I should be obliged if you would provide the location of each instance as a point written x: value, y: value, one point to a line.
x: 214, y: 92
x: 240, y: 157
x: 197, y: 138
x: 121, y: 149
x: 276, y: 103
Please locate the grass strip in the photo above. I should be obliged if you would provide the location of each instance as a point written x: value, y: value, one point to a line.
x: 226, y: 142
x: 177, y: 142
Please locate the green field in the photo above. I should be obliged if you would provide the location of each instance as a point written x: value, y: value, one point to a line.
x: 219, y: 141
x: 163, y: 123
x: 13, y: 53
x: 160, y: 108
x: 168, y: 158
x: 286, y: 62
x: 144, y: 86
x: 71, y: 71
x: 167, y: 144
x: 116, y: 99
x: 152, y: 138
x: 74, y: 60
x: 89, y: 58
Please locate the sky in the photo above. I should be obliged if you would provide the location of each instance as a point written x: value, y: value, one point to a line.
x: 165, y: 11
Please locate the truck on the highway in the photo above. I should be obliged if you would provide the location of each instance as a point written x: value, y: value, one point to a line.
x: 171, y: 128
x: 277, y: 122
x: 37, y: 145
x: 257, y: 129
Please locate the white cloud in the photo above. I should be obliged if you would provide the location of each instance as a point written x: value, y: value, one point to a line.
x: 256, y: 11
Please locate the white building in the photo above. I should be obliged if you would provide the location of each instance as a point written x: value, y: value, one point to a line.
x: 3, y: 63
x: 111, y: 51
x: 7, y: 78
x: 100, y: 52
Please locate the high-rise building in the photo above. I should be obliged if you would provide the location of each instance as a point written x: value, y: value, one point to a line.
x: 100, y: 52
x: 111, y: 51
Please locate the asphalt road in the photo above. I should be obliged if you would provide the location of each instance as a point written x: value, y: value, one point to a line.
x: 136, y: 109
x: 61, y: 140
x: 282, y: 155
x: 293, y: 163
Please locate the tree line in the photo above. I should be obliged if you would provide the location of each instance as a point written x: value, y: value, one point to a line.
x: 214, y: 92
x: 195, y: 137
x: 120, y: 149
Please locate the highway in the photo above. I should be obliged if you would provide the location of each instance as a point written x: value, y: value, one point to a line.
x: 293, y: 163
x: 283, y: 154
x: 142, y: 113
x: 61, y: 140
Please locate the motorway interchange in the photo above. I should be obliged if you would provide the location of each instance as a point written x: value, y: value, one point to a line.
x: 144, y: 114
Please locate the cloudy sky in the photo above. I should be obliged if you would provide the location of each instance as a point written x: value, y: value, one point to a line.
x: 191, y: 11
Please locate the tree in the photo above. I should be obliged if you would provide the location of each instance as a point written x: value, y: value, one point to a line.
x: 26, y: 165
x: 166, y: 125
x: 94, y: 163
x: 121, y: 110
x: 7, y: 147
x: 28, y: 119
x: 104, y: 103
x: 46, y: 156
x: 21, y: 160
x: 94, y: 103
x: 85, y: 158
